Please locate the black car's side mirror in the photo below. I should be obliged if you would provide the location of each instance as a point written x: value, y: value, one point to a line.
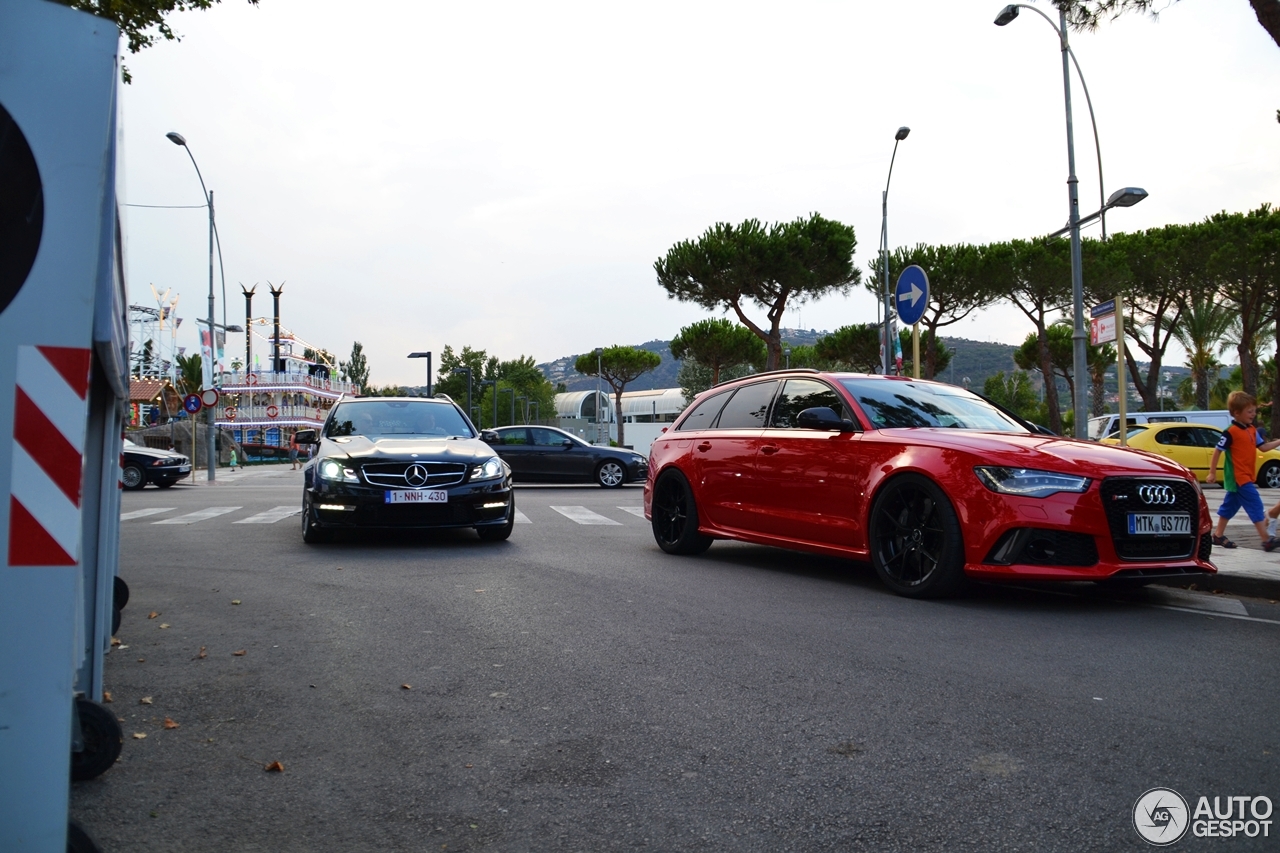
x: 490, y: 436
x: 566, y: 444
x: 822, y: 417
x: 306, y: 436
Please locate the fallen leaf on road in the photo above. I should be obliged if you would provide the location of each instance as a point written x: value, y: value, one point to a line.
x: 153, y: 614
x: 479, y: 590
x: 239, y: 654
x: 274, y: 767
x: 405, y: 687
x: 145, y: 700
x: 201, y: 655
x: 170, y: 724
x: 106, y: 696
x: 164, y: 624
x: 468, y: 766
x: 139, y: 735
x: 235, y: 601
x: 142, y: 660
x: 115, y: 641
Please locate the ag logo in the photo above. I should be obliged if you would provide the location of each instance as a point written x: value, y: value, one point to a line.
x: 21, y: 209
x: 1160, y: 816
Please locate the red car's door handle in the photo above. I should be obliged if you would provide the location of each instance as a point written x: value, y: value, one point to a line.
x: 704, y: 446
x: 770, y: 449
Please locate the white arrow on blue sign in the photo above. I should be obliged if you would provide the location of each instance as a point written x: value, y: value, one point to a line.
x: 912, y: 295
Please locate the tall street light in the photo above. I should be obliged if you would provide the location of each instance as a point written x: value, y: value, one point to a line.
x: 599, y: 359
x: 178, y: 139
x: 466, y: 370
x: 884, y: 248
x: 1126, y: 197
x: 427, y: 356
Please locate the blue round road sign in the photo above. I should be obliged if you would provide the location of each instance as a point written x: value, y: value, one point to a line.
x: 192, y: 403
x: 912, y: 295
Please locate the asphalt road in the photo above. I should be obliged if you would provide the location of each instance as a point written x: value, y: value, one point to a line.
x: 576, y: 689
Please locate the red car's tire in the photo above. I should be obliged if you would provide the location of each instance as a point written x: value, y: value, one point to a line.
x: 675, y: 517
x: 916, y: 545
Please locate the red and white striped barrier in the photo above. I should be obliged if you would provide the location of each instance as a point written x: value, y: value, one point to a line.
x: 50, y: 412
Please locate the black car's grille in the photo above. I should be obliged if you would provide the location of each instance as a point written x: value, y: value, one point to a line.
x: 414, y: 475
x: 1123, y: 495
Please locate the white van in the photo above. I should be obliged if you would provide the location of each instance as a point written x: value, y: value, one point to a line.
x: 1105, y: 425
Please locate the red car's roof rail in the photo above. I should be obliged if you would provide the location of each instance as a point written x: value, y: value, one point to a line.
x: 769, y: 373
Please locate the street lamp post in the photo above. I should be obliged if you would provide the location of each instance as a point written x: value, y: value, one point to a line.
x: 884, y: 248
x: 786, y: 354
x: 178, y: 139
x: 466, y: 370
x: 427, y: 356
x: 599, y: 362
x: 502, y: 391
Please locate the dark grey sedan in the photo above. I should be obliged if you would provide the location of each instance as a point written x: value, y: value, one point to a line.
x: 539, y: 454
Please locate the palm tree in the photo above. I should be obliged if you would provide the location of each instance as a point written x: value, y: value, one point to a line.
x: 1203, y: 326
x: 190, y: 374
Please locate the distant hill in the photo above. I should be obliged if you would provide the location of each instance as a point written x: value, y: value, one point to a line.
x: 974, y: 359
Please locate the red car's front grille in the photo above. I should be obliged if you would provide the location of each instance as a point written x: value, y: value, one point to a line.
x: 1122, y: 495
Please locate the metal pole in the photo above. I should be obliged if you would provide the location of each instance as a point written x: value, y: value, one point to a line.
x: 884, y: 248
x: 599, y: 357
x: 1079, y: 337
x: 209, y: 444
x: 248, y: 327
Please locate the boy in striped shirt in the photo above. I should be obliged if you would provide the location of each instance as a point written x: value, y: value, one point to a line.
x: 1240, y: 444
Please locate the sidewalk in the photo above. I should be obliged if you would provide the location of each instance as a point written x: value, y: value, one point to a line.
x: 1246, y: 570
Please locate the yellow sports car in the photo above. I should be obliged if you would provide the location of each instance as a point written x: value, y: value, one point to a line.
x: 1191, y: 445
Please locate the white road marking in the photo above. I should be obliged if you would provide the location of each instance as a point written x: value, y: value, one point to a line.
x: 143, y: 513
x: 202, y: 515
x: 271, y: 516
x: 582, y: 515
x: 634, y: 510
x: 521, y: 518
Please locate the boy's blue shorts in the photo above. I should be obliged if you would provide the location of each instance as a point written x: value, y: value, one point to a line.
x: 1244, y: 496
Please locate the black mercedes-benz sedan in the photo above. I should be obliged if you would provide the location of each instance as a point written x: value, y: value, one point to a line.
x: 539, y: 454
x: 403, y: 462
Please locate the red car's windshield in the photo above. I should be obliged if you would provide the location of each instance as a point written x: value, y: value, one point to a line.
x: 893, y: 404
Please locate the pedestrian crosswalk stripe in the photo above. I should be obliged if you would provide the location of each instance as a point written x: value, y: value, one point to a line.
x: 582, y: 515
x: 521, y: 518
x: 143, y: 513
x: 634, y: 510
x: 201, y: 515
x: 272, y: 515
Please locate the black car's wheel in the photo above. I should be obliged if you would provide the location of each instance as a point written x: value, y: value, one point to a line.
x: 675, y: 516
x: 610, y: 474
x: 312, y: 532
x: 916, y: 546
x: 1269, y: 476
x: 502, y: 532
x: 119, y: 592
x: 103, y: 740
x: 133, y: 477
x: 164, y: 484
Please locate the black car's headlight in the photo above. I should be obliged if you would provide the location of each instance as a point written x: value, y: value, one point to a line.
x: 1028, y: 482
x: 487, y: 470
x: 332, y: 469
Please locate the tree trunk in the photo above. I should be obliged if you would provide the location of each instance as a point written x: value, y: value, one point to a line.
x: 1248, y: 368
x: 1202, y: 387
x: 1050, y: 383
x: 617, y: 410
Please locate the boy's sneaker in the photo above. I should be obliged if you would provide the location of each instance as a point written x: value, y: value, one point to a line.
x: 1271, y: 544
x: 1271, y: 527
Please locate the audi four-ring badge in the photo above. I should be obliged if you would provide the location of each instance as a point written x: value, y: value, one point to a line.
x: 403, y: 462
x: 931, y: 484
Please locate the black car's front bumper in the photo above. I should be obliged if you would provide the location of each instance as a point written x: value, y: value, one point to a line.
x: 348, y: 505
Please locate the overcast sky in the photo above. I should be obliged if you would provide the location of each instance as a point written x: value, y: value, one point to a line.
x: 504, y: 174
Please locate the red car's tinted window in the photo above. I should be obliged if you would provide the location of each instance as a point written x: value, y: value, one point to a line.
x: 800, y: 394
x: 748, y: 407
x: 704, y: 414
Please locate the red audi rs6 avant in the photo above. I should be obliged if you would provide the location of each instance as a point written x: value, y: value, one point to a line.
x: 930, y: 483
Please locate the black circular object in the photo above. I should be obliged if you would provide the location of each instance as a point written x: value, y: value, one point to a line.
x: 103, y: 740
x: 21, y: 208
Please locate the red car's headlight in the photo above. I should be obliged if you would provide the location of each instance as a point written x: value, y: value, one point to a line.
x: 1028, y: 482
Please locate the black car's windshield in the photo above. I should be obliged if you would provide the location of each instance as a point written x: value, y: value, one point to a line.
x: 397, y: 419
x: 892, y: 403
